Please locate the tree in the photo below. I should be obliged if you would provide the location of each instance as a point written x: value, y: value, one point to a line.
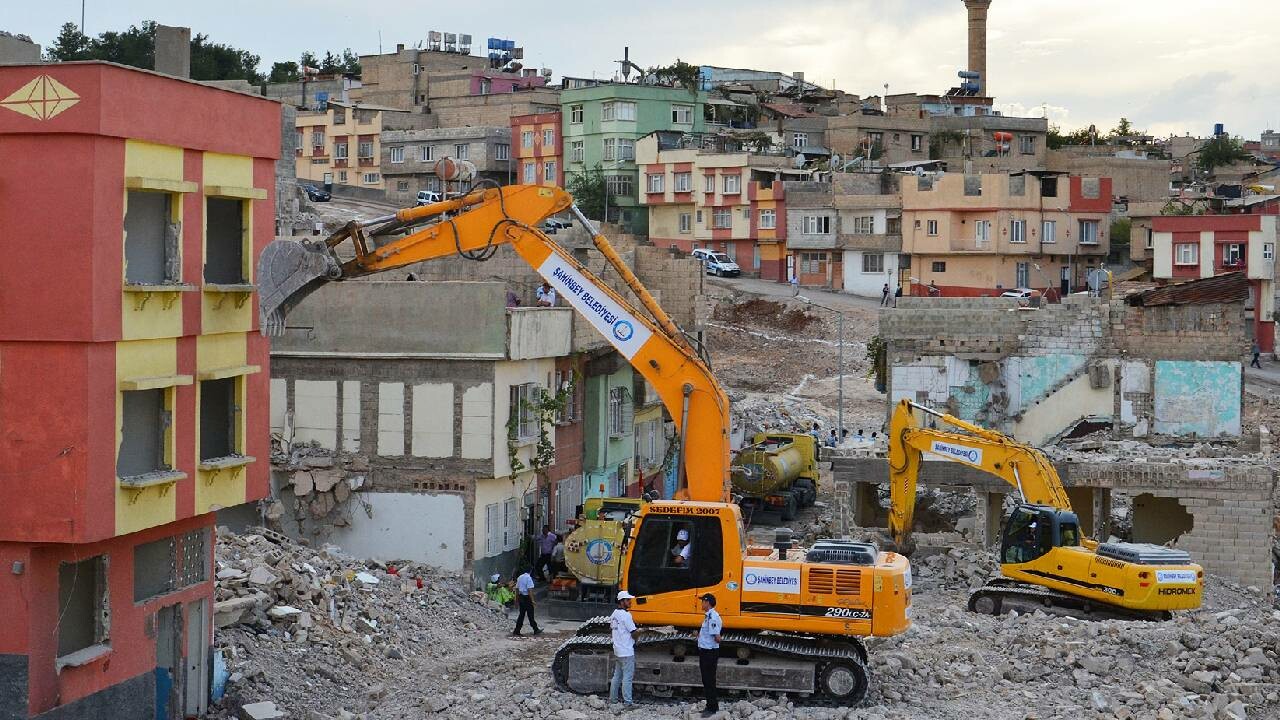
x: 214, y: 61
x: 284, y: 72
x: 135, y: 46
x: 679, y: 73
x: 1124, y: 129
x: 330, y: 64
x: 1119, y: 234
x: 589, y: 191
x: 71, y: 44
x: 350, y: 62
x: 309, y: 60
x: 1221, y: 152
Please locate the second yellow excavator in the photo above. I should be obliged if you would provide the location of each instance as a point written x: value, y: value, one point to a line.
x: 1045, y: 561
x: 793, y: 618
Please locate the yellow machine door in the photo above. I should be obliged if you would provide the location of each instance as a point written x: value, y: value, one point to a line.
x: 674, y: 556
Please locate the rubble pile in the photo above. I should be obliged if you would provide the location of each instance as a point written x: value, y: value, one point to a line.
x: 314, y: 629
x: 320, y: 485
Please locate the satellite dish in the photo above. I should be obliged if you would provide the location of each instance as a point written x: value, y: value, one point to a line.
x: 1097, y: 279
x: 799, y: 160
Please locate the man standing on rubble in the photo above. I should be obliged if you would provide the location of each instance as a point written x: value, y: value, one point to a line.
x: 624, y: 648
x: 709, y: 653
x: 524, y: 597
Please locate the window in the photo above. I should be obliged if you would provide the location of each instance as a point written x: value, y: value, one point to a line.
x: 732, y: 184
x: 813, y: 263
x: 575, y: 114
x: 872, y: 262
x: 340, y: 151
x: 904, y: 262
x: 1028, y: 144
x: 683, y: 182
x: 146, y: 420
x: 565, y: 383
x: 365, y: 150
x: 224, y: 241
x: 1049, y: 232
x: 1088, y: 232
x: 219, y: 413
x: 151, y: 240
x: 709, y: 183
x: 699, y: 217
x: 1268, y: 249
x: 973, y: 185
x: 686, y: 223
x: 620, y: 185
x: 461, y: 151
x: 502, y: 151
x: 1018, y: 185
x: 799, y: 140
x: 815, y: 224
x: 722, y: 218
x: 618, y: 110
x: 656, y: 182
x: 397, y: 154
x: 610, y: 148
x: 939, y: 267
x: 372, y: 178
x: 549, y: 171
x: 1049, y: 187
x: 575, y: 151
x: 1090, y: 188
x: 493, y: 529
x: 530, y: 173
x: 682, y: 114
x: 510, y: 524
x: 402, y: 186
x: 1233, y: 254
x: 864, y: 225
x: 524, y: 400
x: 339, y: 116
x: 1151, y: 241
x: 652, y: 567
x: 917, y: 143
x: 931, y: 226
x: 526, y: 139
x: 84, y: 615
x: 1187, y: 254
x: 755, y: 256
x: 626, y: 149
x: 768, y: 219
x: 620, y: 412
x: 982, y: 231
x: 428, y: 153
x: 548, y: 138
x: 1022, y: 277
x: 342, y: 176
x: 1018, y: 232
x: 877, y: 138
x: 169, y: 564
x: 485, y: 86
x: 317, y: 138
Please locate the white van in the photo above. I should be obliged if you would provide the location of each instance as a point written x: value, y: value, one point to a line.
x: 717, y: 263
x: 426, y: 197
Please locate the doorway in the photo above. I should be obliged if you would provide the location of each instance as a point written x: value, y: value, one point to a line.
x: 168, y: 662
x: 196, y: 684
x: 1066, y: 280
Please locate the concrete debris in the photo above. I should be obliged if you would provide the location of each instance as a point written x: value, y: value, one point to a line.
x: 260, y: 711
x: 324, y: 634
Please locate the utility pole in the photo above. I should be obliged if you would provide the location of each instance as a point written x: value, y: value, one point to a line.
x: 82, y: 32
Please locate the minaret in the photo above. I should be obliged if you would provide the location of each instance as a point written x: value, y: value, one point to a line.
x: 978, y: 41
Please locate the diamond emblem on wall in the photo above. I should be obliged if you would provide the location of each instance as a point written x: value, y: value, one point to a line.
x: 42, y: 98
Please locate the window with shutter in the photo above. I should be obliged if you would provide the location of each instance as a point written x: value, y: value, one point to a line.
x: 492, y: 529
x: 510, y: 524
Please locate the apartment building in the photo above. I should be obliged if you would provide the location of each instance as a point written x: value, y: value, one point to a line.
x: 1201, y: 246
x: 442, y: 412
x: 981, y: 234
x: 602, y: 122
x: 342, y: 144
x: 887, y: 139
x: 539, y: 150
x: 989, y: 143
x: 403, y: 79
x: 608, y: 467
x: 708, y: 191
x: 133, y: 397
x: 409, y: 157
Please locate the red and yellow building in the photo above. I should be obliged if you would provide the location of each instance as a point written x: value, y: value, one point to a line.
x: 538, y: 149
x: 133, y: 391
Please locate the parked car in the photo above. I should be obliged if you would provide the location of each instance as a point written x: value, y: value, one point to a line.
x: 717, y: 263
x: 1025, y: 293
x: 426, y: 197
x: 315, y: 194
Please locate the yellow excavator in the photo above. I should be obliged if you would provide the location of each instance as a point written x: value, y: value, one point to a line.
x: 1045, y: 561
x: 793, y: 619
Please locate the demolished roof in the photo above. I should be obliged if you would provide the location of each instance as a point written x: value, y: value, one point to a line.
x: 1228, y: 288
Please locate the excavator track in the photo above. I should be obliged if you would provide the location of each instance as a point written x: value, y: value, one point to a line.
x: 825, y: 672
x: 1001, y: 595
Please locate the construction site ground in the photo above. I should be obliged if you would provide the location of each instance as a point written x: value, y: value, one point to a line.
x: 388, y: 649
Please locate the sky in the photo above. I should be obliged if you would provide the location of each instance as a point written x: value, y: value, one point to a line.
x: 1080, y: 63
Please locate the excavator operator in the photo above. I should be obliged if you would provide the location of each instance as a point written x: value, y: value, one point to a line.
x: 682, y: 550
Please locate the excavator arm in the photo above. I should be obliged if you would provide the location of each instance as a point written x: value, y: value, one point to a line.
x: 1022, y: 466
x: 473, y: 226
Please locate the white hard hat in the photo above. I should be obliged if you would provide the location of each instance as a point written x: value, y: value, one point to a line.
x: 495, y: 577
x: 624, y: 595
x: 683, y: 535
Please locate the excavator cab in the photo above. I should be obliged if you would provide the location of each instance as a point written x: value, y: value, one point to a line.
x: 1032, y: 531
x: 675, y: 556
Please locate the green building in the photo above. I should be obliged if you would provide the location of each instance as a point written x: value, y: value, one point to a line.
x: 603, y: 120
x: 609, y: 428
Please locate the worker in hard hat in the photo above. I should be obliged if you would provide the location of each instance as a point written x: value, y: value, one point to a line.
x: 680, y: 553
x: 624, y: 631
x: 498, y: 592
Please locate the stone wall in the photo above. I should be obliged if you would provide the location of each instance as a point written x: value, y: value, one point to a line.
x: 1172, y: 371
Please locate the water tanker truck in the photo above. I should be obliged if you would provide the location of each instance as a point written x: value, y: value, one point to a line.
x: 777, y: 472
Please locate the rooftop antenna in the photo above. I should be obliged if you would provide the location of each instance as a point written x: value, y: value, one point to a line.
x: 379, y: 41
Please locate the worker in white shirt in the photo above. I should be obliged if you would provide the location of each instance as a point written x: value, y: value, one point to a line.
x: 524, y: 597
x: 624, y: 648
x: 682, y: 550
x: 546, y: 296
x: 709, y: 653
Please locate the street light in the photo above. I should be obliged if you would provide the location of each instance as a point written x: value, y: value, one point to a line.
x: 839, y: 363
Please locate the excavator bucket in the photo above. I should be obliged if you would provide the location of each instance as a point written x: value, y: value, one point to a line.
x: 288, y: 271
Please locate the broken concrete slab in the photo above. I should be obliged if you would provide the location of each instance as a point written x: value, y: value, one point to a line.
x: 260, y: 711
